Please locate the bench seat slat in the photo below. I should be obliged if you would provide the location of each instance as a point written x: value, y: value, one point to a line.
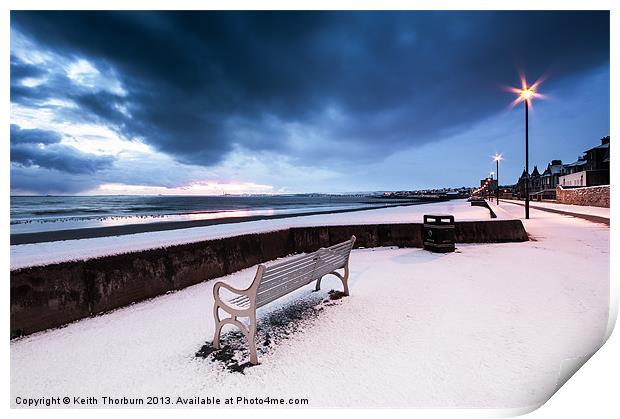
x: 242, y: 300
x: 292, y: 283
x: 276, y: 293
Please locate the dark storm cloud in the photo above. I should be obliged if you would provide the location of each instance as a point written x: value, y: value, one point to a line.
x: 36, y: 147
x: 367, y: 83
x: 104, y: 106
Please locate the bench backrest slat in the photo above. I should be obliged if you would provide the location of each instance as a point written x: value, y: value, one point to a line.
x: 282, y: 278
x: 331, y: 256
x: 280, y: 266
x: 270, y: 275
x: 322, y: 270
x: 288, y: 277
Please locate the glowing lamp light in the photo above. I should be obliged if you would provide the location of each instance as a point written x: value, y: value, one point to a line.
x: 527, y: 93
x: 498, y: 157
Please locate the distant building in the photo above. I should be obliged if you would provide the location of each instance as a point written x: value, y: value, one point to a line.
x: 591, y: 169
x: 550, y: 178
x: 535, y: 181
x: 575, y: 167
x: 535, y: 184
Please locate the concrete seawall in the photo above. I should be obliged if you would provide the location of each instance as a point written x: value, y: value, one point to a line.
x: 49, y: 296
x: 486, y: 205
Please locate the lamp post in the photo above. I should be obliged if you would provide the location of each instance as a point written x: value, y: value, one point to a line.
x: 497, y: 158
x: 526, y: 94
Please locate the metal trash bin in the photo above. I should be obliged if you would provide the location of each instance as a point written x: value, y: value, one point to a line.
x: 438, y: 233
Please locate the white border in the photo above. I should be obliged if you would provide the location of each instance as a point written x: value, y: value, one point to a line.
x: 592, y: 392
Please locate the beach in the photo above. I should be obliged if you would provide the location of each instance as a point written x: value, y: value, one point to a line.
x: 223, y: 217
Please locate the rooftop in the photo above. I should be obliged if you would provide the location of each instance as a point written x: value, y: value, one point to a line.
x: 598, y: 147
x: 577, y: 163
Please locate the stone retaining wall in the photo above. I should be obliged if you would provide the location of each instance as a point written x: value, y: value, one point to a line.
x: 53, y: 295
x: 594, y: 196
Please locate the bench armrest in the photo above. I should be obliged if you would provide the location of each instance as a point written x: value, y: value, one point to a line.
x: 218, y: 285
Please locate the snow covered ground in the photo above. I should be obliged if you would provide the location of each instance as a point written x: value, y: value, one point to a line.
x: 53, y: 252
x: 486, y: 326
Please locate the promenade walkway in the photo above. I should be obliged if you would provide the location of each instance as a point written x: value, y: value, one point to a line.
x: 594, y: 214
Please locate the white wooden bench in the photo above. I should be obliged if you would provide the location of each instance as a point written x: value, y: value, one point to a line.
x: 275, y: 281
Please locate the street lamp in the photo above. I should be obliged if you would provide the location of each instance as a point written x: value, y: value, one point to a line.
x: 526, y: 94
x: 497, y: 158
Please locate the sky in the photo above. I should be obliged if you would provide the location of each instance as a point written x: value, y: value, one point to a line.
x: 205, y: 102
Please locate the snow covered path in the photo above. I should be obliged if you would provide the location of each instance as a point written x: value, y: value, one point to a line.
x: 487, y: 326
x: 577, y: 209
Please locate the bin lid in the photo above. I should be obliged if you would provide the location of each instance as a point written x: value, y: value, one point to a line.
x: 439, y: 218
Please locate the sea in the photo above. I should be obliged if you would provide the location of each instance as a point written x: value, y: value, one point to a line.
x: 31, y: 214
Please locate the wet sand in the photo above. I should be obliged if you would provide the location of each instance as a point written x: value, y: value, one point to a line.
x: 121, y: 230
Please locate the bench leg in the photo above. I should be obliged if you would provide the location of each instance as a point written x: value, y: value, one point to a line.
x: 249, y: 332
x: 252, y: 339
x: 318, y: 284
x: 345, y: 279
x: 218, y: 327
